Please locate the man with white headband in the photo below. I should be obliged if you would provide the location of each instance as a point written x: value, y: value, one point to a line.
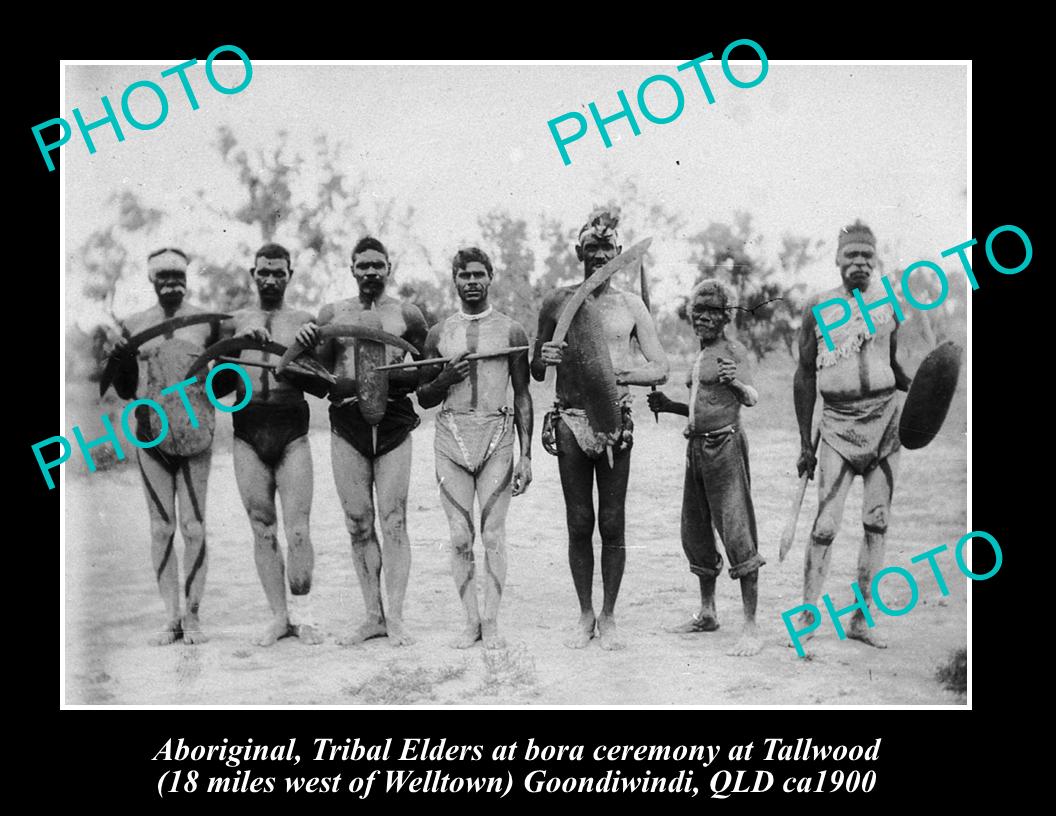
x: 474, y: 435
x: 178, y: 467
x: 858, y: 380
x: 581, y: 451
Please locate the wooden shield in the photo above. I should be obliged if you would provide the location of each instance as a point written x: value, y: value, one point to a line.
x: 372, y: 387
x: 930, y: 395
x: 587, y: 362
x: 165, y: 365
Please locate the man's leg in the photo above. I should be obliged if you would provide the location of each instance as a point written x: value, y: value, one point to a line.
x: 294, y: 479
x: 456, y: 485
x: 577, y: 485
x: 191, y: 486
x: 354, y: 477
x: 612, y: 497
x: 698, y: 543
x: 493, y: 495
x: 392, y: 476
x: 728, y: 483
x: 160, y: 489
x: 834, y: 483
x: 256, y: 485
x: 876, y: 511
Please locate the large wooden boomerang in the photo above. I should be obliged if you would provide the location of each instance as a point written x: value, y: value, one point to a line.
x: 441, y: 360
x: 229, y: 348
x: 345, y: 330
x: 595, y: 281
x: 164, y: 327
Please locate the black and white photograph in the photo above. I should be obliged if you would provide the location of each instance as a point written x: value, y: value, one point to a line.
x: 517, y: 384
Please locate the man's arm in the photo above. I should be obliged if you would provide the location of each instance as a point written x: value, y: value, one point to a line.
x: 523, y: 415
x: 738, y: 376
x: 126, y: 380
x: 902, y: 379
x: 430, y: 392
x: 654, y: 372
x: 805, y: 389
x: 415, y: 334
x: 547, y: 324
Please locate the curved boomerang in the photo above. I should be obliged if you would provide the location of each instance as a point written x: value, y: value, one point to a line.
x: 345, y: 330
x: 164, y: 327
x: 598, y: 279
x: 229, y: 347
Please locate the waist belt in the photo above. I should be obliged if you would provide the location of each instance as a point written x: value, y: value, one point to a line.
x: 708, y: 436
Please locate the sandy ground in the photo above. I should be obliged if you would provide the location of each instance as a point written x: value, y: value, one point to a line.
x: 112, y: 605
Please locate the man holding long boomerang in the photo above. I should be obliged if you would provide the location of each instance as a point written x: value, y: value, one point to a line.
x: 590, y: 428
x: 474, y: 434
x: 149, y: 362
x: 371, y: 429
x: 858, y: 380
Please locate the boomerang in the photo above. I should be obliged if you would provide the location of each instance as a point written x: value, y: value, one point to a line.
x: 164, y: 327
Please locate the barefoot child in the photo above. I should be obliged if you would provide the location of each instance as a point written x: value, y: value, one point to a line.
x: 717, y: 487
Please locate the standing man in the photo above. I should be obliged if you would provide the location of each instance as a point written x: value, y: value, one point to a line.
x: 271, y: 452
x: 474, y: 437
x: 358, y: 466
x: 859, y: 422
x: 581, y: 453
x: 718, y: 481
x: 179, y: 465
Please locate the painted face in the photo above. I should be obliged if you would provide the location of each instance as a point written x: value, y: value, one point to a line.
x: 856, y: 262
x: 272, y: 275
x: 472, y: 282
x: 595, y: 252
x: 709, y: 315
x: 371, y: 269
x: 170, y: 286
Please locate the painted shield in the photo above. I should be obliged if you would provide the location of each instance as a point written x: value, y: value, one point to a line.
x: 930, y: 395
x: 588, y: 363
x: 165, y: 365
x: 372, y: 387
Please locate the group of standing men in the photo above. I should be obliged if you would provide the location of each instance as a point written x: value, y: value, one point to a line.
x: 475, y: 434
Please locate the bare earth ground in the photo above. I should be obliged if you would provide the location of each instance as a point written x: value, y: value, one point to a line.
x: 112, y: 605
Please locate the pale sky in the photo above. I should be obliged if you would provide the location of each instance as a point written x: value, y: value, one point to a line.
x: 805, y: 152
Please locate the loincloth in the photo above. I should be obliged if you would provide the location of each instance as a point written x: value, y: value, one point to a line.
x: 270, y: 428
x: 863, y: 431
x: 172, y: 462
x: 593, y: 443
x: 470, y: 438
x: 346, y: 420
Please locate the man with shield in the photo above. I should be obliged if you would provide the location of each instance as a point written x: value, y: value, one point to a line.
x: 371, y: 419
x: 858, y: 379
x: 590, y: 428
x: 148, y: 363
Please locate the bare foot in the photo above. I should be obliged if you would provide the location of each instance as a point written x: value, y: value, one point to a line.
x: 610, y: 638
x: 277, y: 629
x: 192, y: 630
x: 583, y: 633
x: 803, y: 619
x: 492, y: 638
x: 172, y: 632
x: 308, y: 634
x: 748, y: 644
x: 703, y: 621
x: 398, y: 634
x: 859, y: 631
x: 365, y: 631
x: 470, y: 635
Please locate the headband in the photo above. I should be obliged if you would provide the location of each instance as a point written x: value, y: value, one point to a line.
x: 166, y: 261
